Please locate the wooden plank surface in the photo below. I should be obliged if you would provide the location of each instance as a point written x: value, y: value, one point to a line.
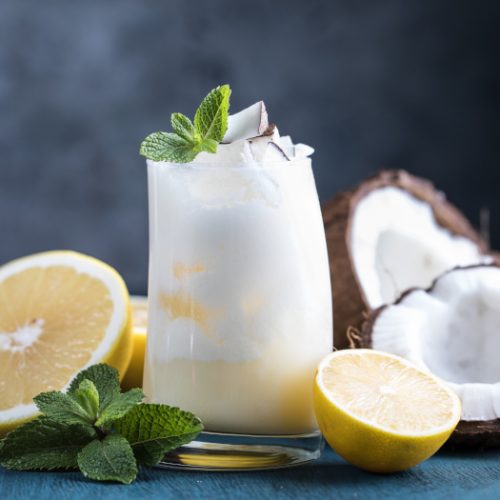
x: 447, y: 475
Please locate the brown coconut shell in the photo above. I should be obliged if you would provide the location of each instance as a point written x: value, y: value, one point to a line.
x: 349, y: 302
x: 480, y: 434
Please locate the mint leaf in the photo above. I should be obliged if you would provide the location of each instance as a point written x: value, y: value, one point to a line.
x: 153, y: 429
x: 111, y: 459
x: 184, y: 127
x: 166, y: 146
x: 63, y: 408
x: 119, y: 406
x: 104, y: 377
x: 208, y: 145
x: 210, y: 119
x: 97, y: 428
x: 187, y: 140
x: 88, y: 397
x: 44, y: 444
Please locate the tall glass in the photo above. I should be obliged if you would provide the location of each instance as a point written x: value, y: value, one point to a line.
x: 239, y: 308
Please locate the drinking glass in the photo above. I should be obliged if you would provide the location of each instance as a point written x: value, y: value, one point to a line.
x: 240, y: 309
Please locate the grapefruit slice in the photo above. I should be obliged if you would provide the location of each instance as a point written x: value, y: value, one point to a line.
x: 60, y: 312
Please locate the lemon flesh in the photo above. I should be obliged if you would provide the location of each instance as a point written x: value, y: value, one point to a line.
x: 59, y: 312
x: 381, y: 413
x: 134, y: 373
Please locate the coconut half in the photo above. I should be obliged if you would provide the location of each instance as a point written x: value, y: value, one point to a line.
x: 393, y: 232
x: 451, y: 329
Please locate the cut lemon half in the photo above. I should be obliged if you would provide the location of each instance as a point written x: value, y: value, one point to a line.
x: 134, y: 373
x: 59, y: 312
x: 380, y: 412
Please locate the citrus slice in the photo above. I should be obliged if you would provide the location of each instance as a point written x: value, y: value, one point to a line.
x: 59, y: 312
x: 380, y: 412
x: 133, y: 375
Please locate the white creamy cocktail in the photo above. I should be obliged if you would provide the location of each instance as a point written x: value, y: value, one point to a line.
x: 239, y: 289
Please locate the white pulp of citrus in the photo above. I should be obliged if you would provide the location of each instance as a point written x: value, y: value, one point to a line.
x: 22, y: 337
x: 387, y: 392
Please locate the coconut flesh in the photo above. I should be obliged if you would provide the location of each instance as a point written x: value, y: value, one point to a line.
x: 251, y: 139
x: 452, y: 329
x: 391, y: 233
x: 397, y: 244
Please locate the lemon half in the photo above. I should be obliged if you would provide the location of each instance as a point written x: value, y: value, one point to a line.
x: 59, y: 312
x: 380, y: 412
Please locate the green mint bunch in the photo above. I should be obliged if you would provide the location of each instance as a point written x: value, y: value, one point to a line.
x: 97, y: 429
x: 188, y: 138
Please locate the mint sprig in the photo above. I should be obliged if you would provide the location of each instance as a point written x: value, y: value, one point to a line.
x: 188, y: 138
x: 153, y: 430
x: 98, y: 429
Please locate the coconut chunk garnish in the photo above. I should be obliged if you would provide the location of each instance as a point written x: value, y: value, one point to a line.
x: 451, y: 329
x: 250, y: 122
x: 257, y: 141
x: 391, y: 233
x: 267, y: 147
x: 303, y: 150
x: 287, y: 145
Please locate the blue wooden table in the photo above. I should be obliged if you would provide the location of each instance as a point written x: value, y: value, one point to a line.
x: 446, y: 475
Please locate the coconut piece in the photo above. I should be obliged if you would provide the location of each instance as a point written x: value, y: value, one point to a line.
x: 294, y: 150
x: 272, y: 131
x: 264, y: 150
x: 267, y: 147
x: 451, y: 329
x: 258, y: 146
x: 250, y: 122
x: 287, y: 145
x: 275, y: 153
x: 393, y: 232
x: 303, y: 150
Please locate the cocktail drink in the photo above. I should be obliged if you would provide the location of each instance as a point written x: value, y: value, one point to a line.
x: 239, y: 292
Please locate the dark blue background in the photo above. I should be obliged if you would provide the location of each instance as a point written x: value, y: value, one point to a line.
x: 409, y: 84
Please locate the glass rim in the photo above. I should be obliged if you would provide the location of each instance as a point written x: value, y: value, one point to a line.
x: 230, y: 165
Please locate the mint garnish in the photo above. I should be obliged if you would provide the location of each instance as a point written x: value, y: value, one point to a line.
x: 167, y: 146
x: 98, y: 429
x: 210, y: 120
x: 188, y: 139
x: 105, y: 379
x: 153, y: 430
x: 108, y: 459
x: 119, y: 406
x: 63, y: 408
x: 44, y: 444
x: 87, y: 396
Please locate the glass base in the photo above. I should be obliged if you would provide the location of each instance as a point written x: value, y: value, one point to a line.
x: 214, y: 451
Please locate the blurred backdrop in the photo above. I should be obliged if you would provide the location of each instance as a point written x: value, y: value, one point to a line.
x: 407, y: 84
